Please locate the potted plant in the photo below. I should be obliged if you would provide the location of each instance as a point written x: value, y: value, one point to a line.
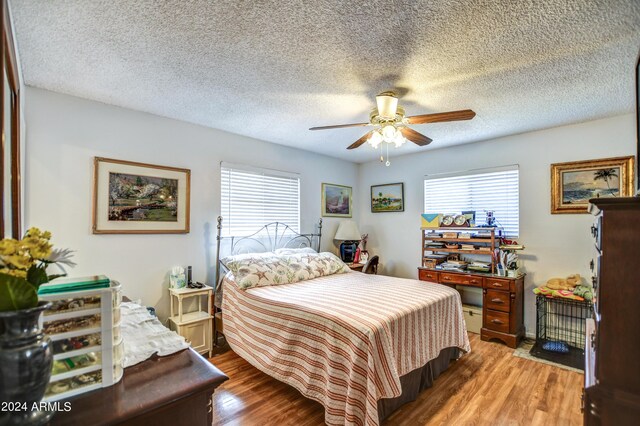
x: 25, y: 353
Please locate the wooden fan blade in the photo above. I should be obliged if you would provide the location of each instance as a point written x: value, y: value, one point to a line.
x: 415, y: 137
x: 465, y: 114
x: 338, y: 126
x: 360, y: 141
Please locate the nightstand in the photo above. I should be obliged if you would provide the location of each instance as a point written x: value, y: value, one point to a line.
x: 356, y: 266
x: 194, y: 326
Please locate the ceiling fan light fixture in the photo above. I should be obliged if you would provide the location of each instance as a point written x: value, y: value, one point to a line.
x: 389, y: 133
x: 399, y: 140
x: 375, y: 139
x: 387, y: 105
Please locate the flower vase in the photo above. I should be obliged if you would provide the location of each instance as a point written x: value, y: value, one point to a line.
x: 25, y: 366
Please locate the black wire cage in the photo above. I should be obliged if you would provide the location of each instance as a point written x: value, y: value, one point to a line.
x: 560, y: 330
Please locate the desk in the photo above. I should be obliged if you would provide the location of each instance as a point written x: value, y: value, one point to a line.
x: 502, y: 304
x: 170, y: 390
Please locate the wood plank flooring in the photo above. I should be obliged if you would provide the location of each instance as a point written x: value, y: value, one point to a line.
x: 488, y: 386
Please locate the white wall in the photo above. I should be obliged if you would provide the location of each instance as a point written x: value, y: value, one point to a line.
x: 64, y: 133
x: 556, y: 245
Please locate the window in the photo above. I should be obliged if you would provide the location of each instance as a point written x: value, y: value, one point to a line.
x: 253, y: 197
x: 492, y: 189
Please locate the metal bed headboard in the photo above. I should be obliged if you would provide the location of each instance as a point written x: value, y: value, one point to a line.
x: 270, y: 237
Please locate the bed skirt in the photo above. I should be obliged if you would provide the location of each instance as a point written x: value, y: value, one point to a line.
x: 416, y: 381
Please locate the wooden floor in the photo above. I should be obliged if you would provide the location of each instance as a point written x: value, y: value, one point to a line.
x: 488, y: 386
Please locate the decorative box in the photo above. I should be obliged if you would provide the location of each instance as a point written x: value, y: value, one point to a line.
x: 84, y: 327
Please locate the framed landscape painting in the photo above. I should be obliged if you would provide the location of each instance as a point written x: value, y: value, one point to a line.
x: 336, y: 200
x: 387, y: 198
x: 138, y: 198
x: 574, y: 183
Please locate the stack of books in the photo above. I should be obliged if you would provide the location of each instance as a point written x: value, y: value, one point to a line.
x: 478, y: 266
x: 453, y: 265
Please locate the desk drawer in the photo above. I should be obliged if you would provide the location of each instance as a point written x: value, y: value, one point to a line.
x: 447, y: 278
x: 495, y: 320
x: 496, y: 284
x: 497, y: 300
x: 426, y: 275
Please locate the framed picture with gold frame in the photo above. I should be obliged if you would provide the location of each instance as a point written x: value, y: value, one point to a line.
x: 573, y: 184
x: 336, y: 200
x: 140, y: 198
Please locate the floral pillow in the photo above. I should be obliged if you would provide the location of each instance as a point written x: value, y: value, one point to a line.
x: 300, y: 250
x: 270, y: 269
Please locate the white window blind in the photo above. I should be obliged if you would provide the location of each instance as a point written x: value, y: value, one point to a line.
x: 495, y: 189
x: 253, y: 197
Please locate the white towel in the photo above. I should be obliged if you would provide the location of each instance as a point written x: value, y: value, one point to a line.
x: 144, y: 335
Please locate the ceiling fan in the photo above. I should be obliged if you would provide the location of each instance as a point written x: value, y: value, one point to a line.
x: 391, y: 123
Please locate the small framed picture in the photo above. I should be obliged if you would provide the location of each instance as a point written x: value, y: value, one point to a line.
x: 139, y: 198
x: 336, y: 200
x: 387, y: 198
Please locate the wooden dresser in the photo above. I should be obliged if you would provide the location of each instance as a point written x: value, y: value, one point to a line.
x: 612, y: 365
x: 170, y: 390
x: 502, y: 301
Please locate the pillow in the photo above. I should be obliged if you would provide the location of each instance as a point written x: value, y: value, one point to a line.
x: 227, y: 260
x: 301, y: 250
x: 271, y: 269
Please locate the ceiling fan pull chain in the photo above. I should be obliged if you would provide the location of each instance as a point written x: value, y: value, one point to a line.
x: 388, y: 163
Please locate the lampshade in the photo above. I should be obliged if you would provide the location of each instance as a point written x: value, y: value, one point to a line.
x: 387, y: 105
x: 347, y: 231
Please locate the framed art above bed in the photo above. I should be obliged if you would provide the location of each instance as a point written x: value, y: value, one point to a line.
x: 336, y: 200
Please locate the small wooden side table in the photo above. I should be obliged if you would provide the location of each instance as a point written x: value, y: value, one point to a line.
x: 356, y: 266
x: 194, y: 326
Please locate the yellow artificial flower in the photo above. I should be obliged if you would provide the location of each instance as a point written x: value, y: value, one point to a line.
x: 18, y: 261
x: 8, y: 246
x: 14, y: 272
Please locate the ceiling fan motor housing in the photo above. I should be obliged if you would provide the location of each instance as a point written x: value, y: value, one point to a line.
x: 387, y: 105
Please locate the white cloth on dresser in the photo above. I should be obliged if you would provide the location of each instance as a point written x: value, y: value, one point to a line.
x: 144, y: 335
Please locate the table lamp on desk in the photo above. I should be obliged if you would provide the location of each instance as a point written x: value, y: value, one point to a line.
x: 349, y: 234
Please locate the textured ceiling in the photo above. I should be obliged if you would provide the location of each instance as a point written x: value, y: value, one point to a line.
x: 272, y: 69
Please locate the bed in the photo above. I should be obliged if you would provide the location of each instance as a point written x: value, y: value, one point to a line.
x: 361, y: 345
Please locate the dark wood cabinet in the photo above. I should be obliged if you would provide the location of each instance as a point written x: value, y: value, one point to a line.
x: 612, y: 355
x: 502, y: 304
x: 170, y: 390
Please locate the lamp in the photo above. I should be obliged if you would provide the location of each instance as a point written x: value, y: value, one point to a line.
x: 387, y: 105
x: 349, y: 234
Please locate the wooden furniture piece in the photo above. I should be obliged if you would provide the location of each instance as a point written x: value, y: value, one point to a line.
x: 170, y: 390
x: 503, y: 297
x: 355, y: 266
x: 502, y: 301
x: 371, y: 267
x: 612, y: 370
x: 194, y: 326
x: 482, y: 246
x: 11, y: 122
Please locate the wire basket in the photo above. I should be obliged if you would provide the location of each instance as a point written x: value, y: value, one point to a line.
x: 560, y: 330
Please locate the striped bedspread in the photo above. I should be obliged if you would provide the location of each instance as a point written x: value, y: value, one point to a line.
x: 343, y: 340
